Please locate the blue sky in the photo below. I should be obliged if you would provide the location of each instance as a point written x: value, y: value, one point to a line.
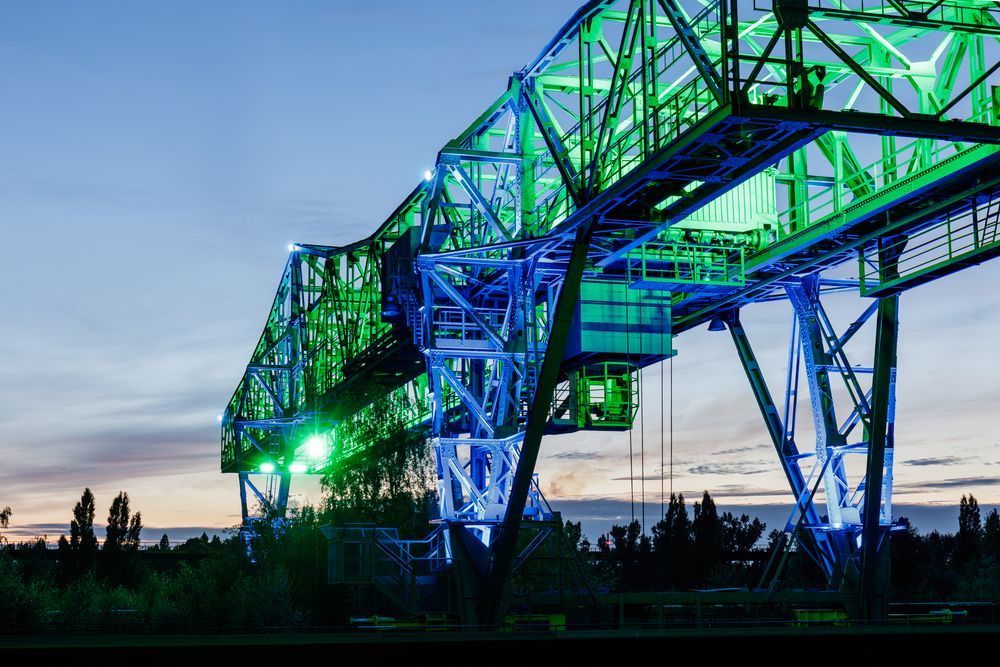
x: 158, y: 158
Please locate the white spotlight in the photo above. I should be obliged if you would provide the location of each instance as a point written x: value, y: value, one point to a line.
x: 316, y: 447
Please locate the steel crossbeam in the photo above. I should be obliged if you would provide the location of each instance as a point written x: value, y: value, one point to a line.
x: 659, y: 164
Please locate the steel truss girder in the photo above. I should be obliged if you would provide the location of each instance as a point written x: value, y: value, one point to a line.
x: 906, y: 18
x: 534, y: 194
x: 851, y: 526
x: 916, y: 204
x: 488, y: 365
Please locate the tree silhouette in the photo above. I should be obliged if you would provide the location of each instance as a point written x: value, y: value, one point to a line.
x: 707, y: 532
x: 907, y: 548
x: 123, y: 528
x: 5, y: 515
x: 673, y: 545
x: 392, y: 485
x: 573, y: 536
x: 82, y: 540
x: 122, y: 542
x: 740, y: 535
x: 991, y: 536
x: 970, y: 531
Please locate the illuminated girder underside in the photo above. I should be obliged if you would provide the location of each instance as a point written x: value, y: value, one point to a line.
x: 679, y: 160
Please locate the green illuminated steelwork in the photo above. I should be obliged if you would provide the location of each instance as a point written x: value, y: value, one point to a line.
x: 673, y: 266
x: 598, y: 396
x: 674, y: 160
x: 327, y: 366
x: 953, y: 244
x: 616, y: 321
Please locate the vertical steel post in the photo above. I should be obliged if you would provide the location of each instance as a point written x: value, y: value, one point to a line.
x: 874, y: 585
x: 538, y: 416
x: 786, y: 448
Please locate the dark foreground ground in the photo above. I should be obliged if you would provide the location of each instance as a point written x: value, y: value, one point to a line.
x: 587, y: 644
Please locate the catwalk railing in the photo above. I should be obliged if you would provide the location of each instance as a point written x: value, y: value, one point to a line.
x: 658, y: 165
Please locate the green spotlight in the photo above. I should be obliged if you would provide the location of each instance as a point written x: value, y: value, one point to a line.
x: 267, y: 467
x: 316, y: 447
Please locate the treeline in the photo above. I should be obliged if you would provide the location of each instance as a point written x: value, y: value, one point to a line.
x: 277, y: 578
x: 115, y: 561
x: 681, y: 551
x: 205, y: 583
x: 709, y: 550
x: 942, y: 566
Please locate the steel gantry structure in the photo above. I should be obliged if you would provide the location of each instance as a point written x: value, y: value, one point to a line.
x: 659, y: 165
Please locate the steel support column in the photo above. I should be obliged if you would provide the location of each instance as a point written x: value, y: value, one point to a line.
x: 784, y: 445
x: 681, y: 151
x: 873, y: 600
x: 538, y: 416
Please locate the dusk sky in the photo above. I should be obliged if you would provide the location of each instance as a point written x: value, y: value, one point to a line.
x: 158, y: 158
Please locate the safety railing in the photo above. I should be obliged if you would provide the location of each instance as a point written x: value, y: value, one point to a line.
x: 954, y: 242
x: 665, y: 264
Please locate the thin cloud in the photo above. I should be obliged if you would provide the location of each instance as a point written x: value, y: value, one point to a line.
x: 953, y: 483
x: 936, y: 461
x: 748, y: 468
x: 734, y: 450
x: 739, y: 450
x: 577, y: 456
x: 748, y: 492
x: 123, y: 454
x: 646, y: 478
x: 51, y: 531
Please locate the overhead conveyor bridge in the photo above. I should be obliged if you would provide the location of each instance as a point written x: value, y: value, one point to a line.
x: 659, y: 165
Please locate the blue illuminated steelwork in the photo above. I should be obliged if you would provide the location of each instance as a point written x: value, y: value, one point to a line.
x: 660, y: 165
